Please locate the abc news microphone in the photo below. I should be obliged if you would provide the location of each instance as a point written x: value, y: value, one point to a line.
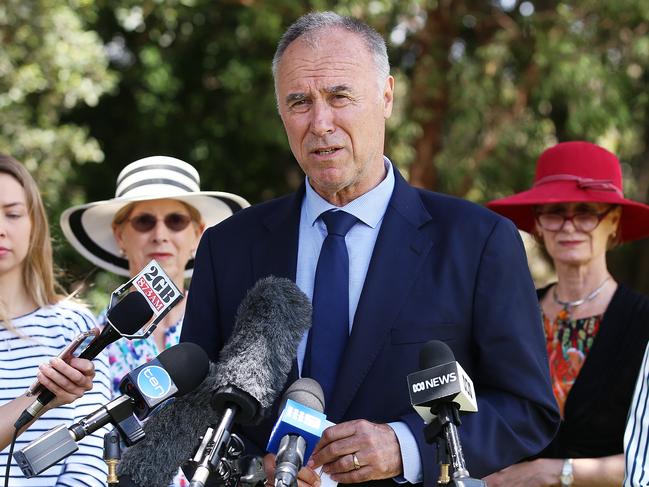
x: 439, y: 393
x: 175, y: 372
x: 252, y: 370
x: 298, y: 429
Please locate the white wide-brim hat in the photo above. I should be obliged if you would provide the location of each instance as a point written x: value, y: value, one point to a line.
x: 88, y: 227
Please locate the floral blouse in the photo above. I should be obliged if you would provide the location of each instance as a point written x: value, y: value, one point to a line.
x: 568, y: 342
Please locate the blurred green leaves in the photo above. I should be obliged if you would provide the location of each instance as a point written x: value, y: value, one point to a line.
x: 482, y: 88
x: 49, y: 64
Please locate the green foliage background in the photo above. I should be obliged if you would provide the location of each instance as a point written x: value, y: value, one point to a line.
x: 482, y: 88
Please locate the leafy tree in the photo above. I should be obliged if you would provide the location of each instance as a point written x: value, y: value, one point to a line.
x: 482, y: 89
x: 49, y: 64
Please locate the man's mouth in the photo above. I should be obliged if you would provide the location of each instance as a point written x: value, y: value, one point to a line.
x: 326, y: 151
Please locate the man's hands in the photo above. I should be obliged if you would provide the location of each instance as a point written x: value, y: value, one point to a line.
x: 375, y: 446
x: 68, y: 381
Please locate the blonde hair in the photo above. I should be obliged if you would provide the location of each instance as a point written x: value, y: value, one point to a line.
x: 38, y: 266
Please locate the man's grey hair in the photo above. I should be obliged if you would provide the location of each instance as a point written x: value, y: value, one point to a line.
x: 309, y: 26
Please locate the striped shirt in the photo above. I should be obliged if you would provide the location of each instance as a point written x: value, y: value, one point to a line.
x: 49, y: 330
x: 636, y: 434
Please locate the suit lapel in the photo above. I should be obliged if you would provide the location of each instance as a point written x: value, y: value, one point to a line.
x: 275, y: 253
x: 403, y: 243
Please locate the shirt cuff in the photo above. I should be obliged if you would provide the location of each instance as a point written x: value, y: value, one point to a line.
x: 410, y: 457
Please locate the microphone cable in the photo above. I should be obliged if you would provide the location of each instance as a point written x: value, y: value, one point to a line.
x: 10, y: 456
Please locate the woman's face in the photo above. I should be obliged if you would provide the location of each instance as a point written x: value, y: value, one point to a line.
x: 15, y: 226
x: 172, y: 248
x: 571, y: 245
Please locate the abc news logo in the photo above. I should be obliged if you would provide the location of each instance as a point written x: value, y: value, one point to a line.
x: 442, y: 380
x: 434, y: 382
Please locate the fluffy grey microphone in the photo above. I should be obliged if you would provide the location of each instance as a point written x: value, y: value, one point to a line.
x: 257, y: 359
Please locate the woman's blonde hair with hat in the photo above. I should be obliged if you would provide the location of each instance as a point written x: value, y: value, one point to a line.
x: 88, y: 227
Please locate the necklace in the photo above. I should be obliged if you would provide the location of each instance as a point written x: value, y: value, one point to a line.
x: 573, y: 304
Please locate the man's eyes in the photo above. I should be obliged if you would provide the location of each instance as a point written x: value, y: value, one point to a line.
x: 299, y: 105
x: 335, y: 99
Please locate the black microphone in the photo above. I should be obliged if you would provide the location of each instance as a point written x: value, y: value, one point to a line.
x: 439, y: 393
x: 127, y: 316
x: 297, y: 430
x: 252, y: 370
x: 175, y: 372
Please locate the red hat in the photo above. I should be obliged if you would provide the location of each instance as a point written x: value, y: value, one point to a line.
x: 575, y: 172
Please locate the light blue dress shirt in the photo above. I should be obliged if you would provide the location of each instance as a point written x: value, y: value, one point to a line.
x: 369, y: 209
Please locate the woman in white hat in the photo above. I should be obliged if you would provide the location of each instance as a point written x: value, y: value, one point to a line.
x: 158, y: 213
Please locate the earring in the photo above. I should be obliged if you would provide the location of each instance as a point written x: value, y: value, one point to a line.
x: 193, y: 253
x: 122, y: 252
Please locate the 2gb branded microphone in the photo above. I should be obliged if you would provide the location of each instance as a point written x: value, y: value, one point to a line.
x: 128, y: 316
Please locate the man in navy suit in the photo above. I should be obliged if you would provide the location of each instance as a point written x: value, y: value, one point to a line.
x: 422, y: 266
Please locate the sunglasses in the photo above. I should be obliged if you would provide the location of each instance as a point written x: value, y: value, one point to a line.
x: 145, y: 222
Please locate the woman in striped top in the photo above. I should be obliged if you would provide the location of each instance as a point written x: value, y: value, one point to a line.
x: 36, y: 324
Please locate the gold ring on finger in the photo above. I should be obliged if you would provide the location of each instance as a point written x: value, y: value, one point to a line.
x: 357, y: 464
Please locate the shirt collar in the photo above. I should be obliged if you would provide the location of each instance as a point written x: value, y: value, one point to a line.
x: 368, y: 208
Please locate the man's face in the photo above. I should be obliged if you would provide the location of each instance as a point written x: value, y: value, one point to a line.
x: 334, y: 113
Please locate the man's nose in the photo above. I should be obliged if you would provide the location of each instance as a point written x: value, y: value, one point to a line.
x: 323, y: 119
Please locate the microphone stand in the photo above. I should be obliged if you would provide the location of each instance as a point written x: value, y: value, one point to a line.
x: 218, y: 453
x: 443, y: 431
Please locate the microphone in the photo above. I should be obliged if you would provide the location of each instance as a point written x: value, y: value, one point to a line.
x: 175, y: 372
x: 252, y: 369
x: 298, y: 429
x: 439, y: 393
x: 127, y: 316
x: 441, y: 380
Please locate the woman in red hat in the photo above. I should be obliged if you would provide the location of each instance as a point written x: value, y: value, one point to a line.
x: 596, y: 329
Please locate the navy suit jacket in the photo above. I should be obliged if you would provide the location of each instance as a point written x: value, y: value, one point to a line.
x: 442, y: 268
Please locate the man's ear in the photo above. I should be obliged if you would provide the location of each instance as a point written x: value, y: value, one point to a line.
x: 388, y: 96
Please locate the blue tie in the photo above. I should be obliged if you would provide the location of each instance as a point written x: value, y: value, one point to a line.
x: 330, y: 328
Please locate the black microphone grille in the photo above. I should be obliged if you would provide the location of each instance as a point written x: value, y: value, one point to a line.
x: 187, y: 365
x: 435, y: 353
x: 130, y: 314
x: 306, y: 391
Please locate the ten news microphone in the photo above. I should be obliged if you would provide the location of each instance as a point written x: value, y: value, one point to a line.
x: 175, y: 372
x: 127, y: 316
x: 439, y: 393
x: 251, y: 372
x: 298, y: 429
